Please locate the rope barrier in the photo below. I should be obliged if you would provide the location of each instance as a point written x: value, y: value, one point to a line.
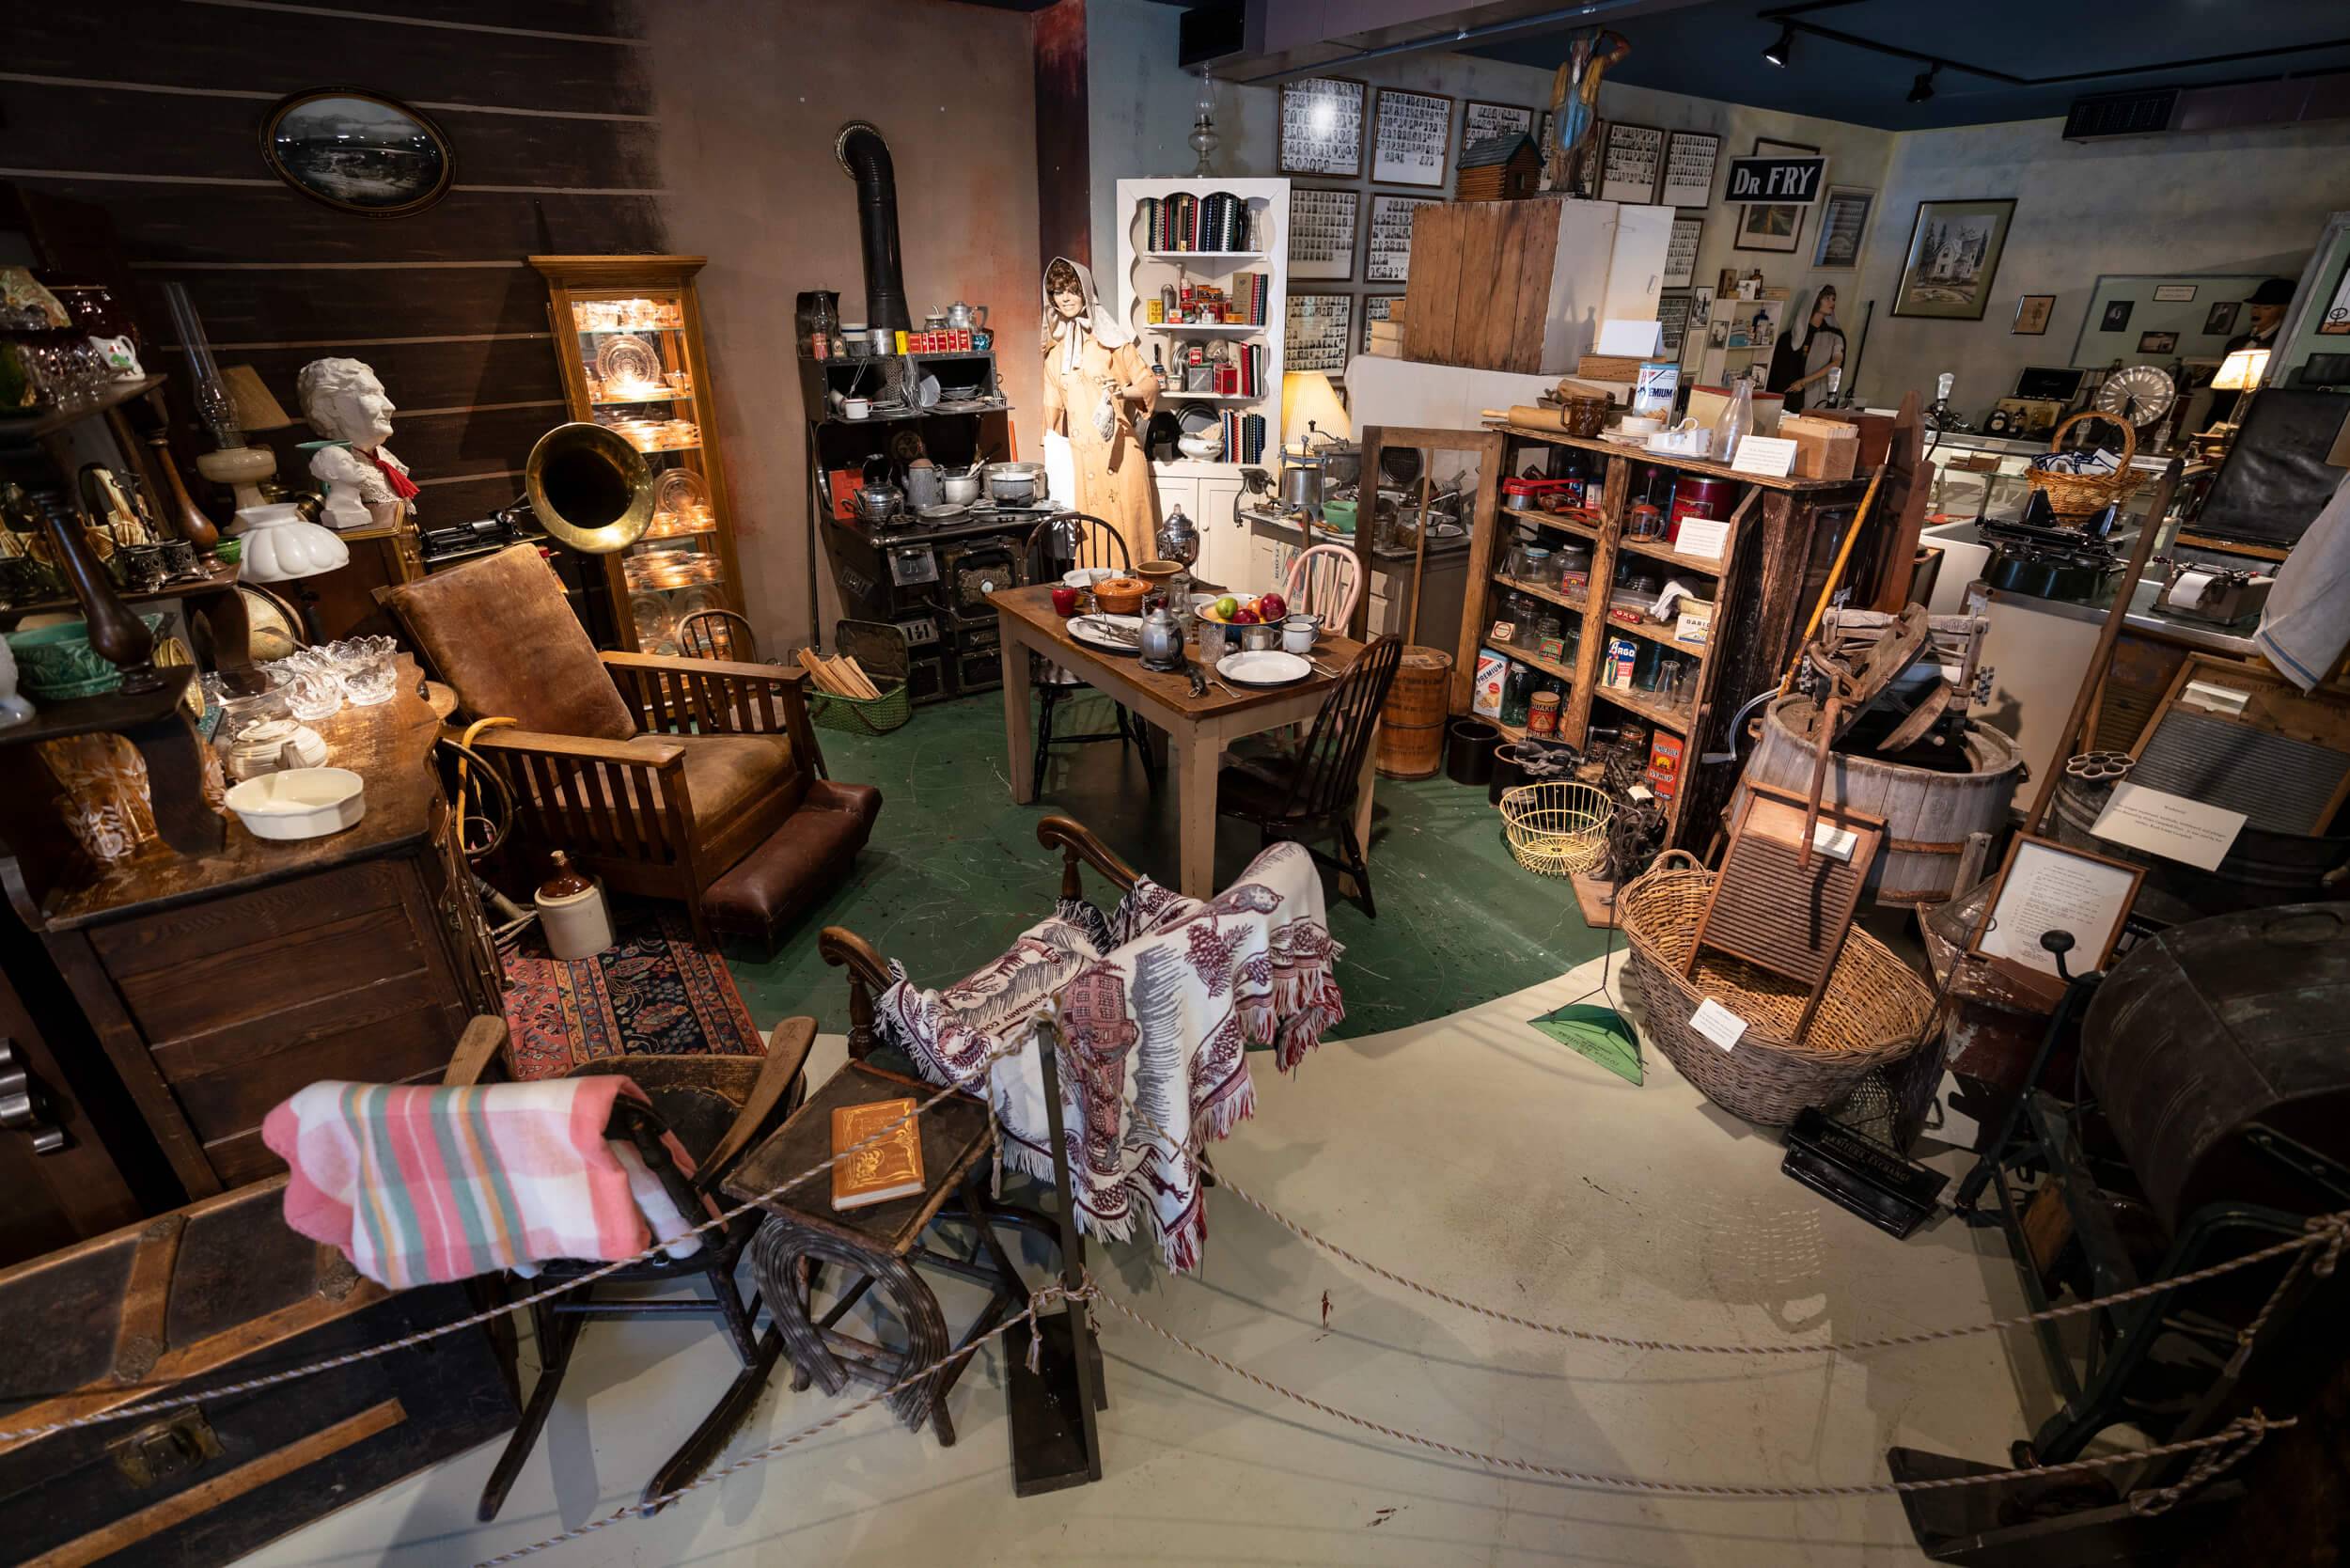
x: 367, y: 1353
x: 1038, y: 1301
x: 2244, y: 1432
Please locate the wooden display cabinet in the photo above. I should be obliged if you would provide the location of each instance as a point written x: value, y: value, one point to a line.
x: 628, y: 337
x: 1777, y: 558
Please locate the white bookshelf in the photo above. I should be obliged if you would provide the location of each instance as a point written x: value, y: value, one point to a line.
x: 1141, y: 272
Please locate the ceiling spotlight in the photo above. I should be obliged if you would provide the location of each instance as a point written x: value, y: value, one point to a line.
x: 1777, y: 53
x: 1922, y: 88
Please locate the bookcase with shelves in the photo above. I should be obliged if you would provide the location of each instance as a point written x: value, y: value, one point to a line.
x: 1775, y: 555
x: 1207, y: 488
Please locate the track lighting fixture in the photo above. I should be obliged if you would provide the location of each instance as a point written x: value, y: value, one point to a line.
x: 1778, y: 51
x: 1922, y: 88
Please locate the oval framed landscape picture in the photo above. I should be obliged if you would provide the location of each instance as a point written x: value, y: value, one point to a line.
x: 357, y: 151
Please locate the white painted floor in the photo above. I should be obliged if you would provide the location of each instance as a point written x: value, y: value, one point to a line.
x: 1471, y: 1152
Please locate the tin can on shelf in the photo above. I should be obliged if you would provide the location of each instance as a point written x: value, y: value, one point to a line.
x: 1542, y: 713
x: 1712, y: 500
x: 1615, y: 670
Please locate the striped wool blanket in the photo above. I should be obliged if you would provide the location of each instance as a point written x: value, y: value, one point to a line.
x: 1158, y: 1002
x: 423, y: 1184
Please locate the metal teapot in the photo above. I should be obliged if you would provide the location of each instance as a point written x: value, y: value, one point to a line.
x: 960, y: 316
x: 1159, y: 645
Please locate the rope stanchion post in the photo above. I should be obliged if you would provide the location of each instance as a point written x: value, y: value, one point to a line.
x: 1075, y: 1290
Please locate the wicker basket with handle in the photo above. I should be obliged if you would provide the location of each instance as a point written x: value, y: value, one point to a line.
x: 1874, y: 1011
x: 2085, y: 494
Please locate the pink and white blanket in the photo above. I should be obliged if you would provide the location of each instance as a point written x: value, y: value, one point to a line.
x: 422, y: 1184
x: 1158, y: 1002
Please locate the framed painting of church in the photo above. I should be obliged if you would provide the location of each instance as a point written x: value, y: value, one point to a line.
x: 1953, y: 255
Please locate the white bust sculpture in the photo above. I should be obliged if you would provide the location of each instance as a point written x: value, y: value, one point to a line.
x: 345, y: 403
x: 13, y: 709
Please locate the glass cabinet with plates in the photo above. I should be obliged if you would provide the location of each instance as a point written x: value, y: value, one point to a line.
x: 628, y: 337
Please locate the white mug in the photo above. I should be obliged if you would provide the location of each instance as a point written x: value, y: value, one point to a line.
x: 855, y: 408
x: 1298, y: 632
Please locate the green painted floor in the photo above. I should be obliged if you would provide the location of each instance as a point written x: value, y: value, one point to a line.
x: 954, y: 872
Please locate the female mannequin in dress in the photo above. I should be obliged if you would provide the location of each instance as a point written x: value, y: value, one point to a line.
x: 1096, y: 389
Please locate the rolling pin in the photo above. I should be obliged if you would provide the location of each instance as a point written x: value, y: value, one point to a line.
x: 1529, y: 416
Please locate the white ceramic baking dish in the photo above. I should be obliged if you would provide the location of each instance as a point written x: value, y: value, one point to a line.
x: 300, y: 803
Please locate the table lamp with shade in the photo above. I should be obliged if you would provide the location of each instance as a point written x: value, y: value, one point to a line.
x: 1308, y: 402
x: 2241, y: 371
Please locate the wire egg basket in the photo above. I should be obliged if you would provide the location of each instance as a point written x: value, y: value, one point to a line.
x: 1557, y: 827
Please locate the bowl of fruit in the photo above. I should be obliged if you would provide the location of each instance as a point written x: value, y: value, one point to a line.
x: 1224, y: 623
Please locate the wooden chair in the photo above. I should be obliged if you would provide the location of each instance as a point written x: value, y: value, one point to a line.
x: 1311, y: 790
x: 717, y: 635
x: 1056, y: 545
x: 660, y: 774
x: 1325, y: 580
x: 719, y: 1108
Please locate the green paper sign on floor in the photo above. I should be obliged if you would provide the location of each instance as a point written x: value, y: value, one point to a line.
x: 1599, y: 1032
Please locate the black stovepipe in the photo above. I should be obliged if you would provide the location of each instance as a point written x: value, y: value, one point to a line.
x: 866, y: 156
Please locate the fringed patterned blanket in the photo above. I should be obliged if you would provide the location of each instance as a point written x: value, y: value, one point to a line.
x: 1158, y: 1003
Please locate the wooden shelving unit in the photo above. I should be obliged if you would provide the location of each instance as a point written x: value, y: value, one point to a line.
x: 1783, y: 535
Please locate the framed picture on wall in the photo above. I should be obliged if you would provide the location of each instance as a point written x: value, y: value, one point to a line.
x: 1377, y: 307
x: 1389, y: 258
x: 2219, y: 322
x: 2174, y: 293
x: 1680, y: 253
x: 1773, y: 226
x: 1483, y: 122
x: 1321, y: 232
x: 1315, y: 331
x: 1631, y: 163
x: 2336, y: 320
x: 2158, y: 342
x: 1321, y: 126
x: 1689, y: 159
x: 357, y: 151
x: 1843, y: 228
x: 1953, y: 257
x: 2032, y: 315
x: 1672, y: 320
x: 1409, y: 137
x: 2117, y: 316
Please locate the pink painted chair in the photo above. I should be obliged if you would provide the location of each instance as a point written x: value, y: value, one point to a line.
x: 1325, y: 580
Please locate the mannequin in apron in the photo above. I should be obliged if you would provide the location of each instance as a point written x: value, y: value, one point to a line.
x: 1096, y: 389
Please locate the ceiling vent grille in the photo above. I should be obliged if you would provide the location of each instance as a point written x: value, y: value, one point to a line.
x: 2120, y: 114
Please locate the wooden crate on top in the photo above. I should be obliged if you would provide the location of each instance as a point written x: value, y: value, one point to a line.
x: 1522, y: 285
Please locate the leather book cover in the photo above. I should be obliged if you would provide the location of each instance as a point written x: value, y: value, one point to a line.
x: 889, y: 1167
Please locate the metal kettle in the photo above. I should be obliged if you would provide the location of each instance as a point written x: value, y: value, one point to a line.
x: 1160, y: 643
x: 1179, y: 538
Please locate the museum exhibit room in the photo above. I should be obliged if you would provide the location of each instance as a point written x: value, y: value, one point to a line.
x: 1175, y: 781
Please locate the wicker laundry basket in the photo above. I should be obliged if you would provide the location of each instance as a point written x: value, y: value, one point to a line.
x: 2086, y: 495
x: 1873, y: 1013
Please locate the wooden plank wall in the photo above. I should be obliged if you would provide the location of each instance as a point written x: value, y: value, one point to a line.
x: 150, y: 109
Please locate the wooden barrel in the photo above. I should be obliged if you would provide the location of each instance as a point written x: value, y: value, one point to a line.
x: 1412, y: 720
x: 1928, y: 816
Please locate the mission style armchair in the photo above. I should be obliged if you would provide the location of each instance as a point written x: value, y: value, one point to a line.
x: 697, y: 779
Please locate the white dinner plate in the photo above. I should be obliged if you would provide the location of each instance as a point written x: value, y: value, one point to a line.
x: 1265, y: 667
x: 1111, y: 634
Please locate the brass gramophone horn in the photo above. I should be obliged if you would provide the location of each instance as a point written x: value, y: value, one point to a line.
x: 590, y: 489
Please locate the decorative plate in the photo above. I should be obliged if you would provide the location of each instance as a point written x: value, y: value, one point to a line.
x: 650, y: 615
x: 627, y: 362
x: 1110, y: 634
x: 680, y: 493
x: 1265, y: 667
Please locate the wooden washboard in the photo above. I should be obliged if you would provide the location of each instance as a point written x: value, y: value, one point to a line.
x: 1769, y: 908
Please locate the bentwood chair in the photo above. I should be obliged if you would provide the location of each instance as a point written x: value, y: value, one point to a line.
x: 1325, y: 580
x: 719, y: 1108
x: 1310, y: 791
x: 1056, y: 545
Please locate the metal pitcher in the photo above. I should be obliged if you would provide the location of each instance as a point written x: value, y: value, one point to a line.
x: 960, y: 316
x: 1301, y: 477
x: 1160, y: 642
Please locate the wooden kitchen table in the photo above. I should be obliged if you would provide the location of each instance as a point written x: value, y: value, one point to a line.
x: 1197, y: 728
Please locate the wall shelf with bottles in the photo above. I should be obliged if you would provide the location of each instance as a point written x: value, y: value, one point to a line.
x: 1774, y: 557
x: 628, y: 338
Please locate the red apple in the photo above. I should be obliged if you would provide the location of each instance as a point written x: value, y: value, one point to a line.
x: 1271, y: 607
x: 1244, y: 616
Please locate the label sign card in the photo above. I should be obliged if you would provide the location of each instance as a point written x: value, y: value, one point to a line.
x: 1717, y: 1022
x: 2169, y: 825
x: 1781, y: 182
x: 1770, y: 456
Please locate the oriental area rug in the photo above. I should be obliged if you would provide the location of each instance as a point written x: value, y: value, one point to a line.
x: 652, y: 992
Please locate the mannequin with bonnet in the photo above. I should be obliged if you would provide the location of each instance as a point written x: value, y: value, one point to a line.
x: 1097, y: 386
x: 366, y: 485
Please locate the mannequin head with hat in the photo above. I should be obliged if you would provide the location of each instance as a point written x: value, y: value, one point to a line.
x: 2265, y: 309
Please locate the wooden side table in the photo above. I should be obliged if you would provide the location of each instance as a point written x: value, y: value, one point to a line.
x: 882, y: 1245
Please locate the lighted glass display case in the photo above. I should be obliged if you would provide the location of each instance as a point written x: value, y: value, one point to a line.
x: 628, y: 337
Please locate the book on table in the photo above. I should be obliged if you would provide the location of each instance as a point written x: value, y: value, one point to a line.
x: 889, y: 1166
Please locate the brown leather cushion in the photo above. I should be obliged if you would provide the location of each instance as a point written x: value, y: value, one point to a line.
x: 1256, y: 788
x: 798, y: 866
x: 726, y: 774
x: 499, y: 631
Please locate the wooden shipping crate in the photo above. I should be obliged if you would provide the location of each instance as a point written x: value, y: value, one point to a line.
x: 1522, y: 286
x: 213, y: 1293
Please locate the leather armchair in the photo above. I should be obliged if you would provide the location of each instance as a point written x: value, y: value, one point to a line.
x: 659, y: 774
